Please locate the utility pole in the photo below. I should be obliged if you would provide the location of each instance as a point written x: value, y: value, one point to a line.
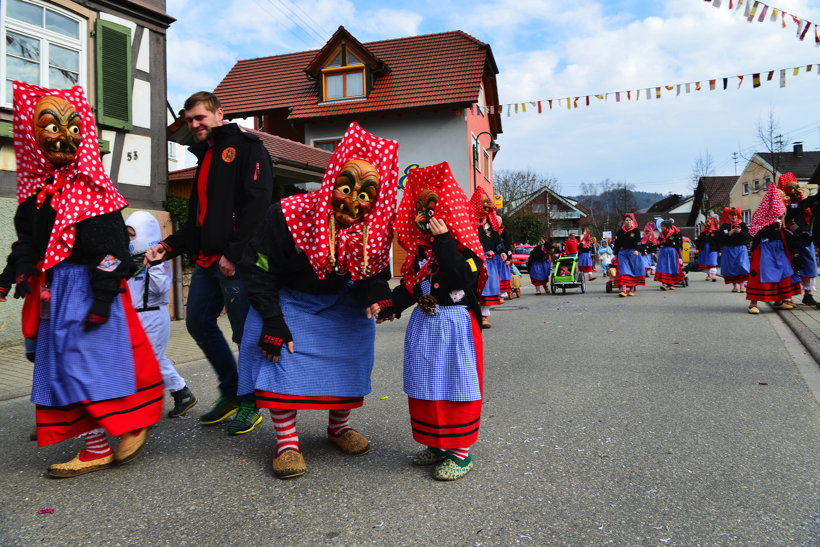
x: 734, y: 157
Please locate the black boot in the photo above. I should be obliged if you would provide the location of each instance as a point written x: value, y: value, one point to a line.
x: 808, y: 300
x: 184, y: 401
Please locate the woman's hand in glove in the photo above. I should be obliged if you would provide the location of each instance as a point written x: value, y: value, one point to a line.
x: 275, y: 334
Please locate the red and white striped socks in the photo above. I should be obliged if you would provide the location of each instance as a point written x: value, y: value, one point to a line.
x: 96, y: 445
x: 338, y: 421
x: 284, y: 422
x: 460, y: 453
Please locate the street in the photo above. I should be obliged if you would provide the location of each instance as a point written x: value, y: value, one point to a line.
x: 671, y: 418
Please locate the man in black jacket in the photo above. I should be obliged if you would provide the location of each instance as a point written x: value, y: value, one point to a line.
x: 233, y: 188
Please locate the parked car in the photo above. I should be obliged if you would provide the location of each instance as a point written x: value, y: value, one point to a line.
x: 521, y: 253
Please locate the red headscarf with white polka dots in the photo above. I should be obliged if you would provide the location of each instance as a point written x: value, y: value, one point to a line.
x: 452, y: 207
x: 308, y: 216
x: 770, y: 209
x: 477, y: 205
x: 81, y: 188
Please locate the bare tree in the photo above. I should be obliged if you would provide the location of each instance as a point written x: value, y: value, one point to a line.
x: 704, y: 166
x: 608, y: 202
x: 770, y: 140
x: 515, y: 184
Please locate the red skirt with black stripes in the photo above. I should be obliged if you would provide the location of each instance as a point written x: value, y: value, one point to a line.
x: 141, y: 409
x: 269, y: 399
x: 450, y: 424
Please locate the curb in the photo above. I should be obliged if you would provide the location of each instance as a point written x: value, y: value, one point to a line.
x: 809, y: 340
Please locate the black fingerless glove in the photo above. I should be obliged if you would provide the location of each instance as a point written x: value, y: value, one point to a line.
x: 275, y: 334
x: 379, y: 293
x: 21, y: 286
x: 386, y: 308
x: 4, y: 289
x: 97, y: 315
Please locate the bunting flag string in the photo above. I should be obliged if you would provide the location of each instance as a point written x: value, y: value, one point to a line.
x: 757, y: 10
x: 656, y: 92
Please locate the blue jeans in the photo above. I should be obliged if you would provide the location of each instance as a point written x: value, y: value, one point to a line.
x: 209, y: 292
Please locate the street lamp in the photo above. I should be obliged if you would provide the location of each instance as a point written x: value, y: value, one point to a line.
x: 494, y: 148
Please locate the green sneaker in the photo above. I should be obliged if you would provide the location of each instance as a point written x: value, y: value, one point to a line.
x: 246, y: 419
x: 223, y: 409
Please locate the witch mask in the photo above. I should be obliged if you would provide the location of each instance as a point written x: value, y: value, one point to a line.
x: 355, y: 192
x: 425, y: 208
x: 487, y: 205
x: 58, y: 129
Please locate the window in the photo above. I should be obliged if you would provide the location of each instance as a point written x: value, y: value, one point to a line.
x: 41, y: 45
x: 766, y: 182
x: 486, y: 166
x: 755, y: 186
x: 327, y: 144
x: 747, y: 216
x: 538, y: 208
x: 114, y: 75
x: 172, y: 150
x: 745, y: 188
x: 343, y: 77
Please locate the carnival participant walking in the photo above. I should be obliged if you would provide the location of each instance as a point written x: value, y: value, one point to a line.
x: 669, y: 268
x: 650, y: 247
x: 734, y: 250
x: 571, y: 245
x: 539, y: 264
x: 488, y: 226
x: 605, y: 256
x: 504, y: 270
x: 798, y: 222
x: 150, y: 288
x: 770, y: 273
x: 234, y: 187
x: 627, y: 248
x: 316, y: 272
x: 585, y: 249
x: 443, y: 348
x: 708, y: 244
x: 95, y: 373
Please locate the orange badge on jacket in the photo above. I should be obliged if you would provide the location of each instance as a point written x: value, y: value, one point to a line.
x: 229, y: 154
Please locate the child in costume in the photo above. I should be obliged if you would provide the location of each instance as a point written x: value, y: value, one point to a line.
x: 798, y: 222
x: 489, y: 233
x: 734, y: 249
x: 443, y: 349
x: 539, y: 264
x: 79, y: 249
x: 669, y: 271
x: 585, y: 248
x: 515, y: 282
x: 708, y: 244
x: 316, y: 271
x: 650, y: 247
x: 770, y: 273
x: 627, y: 248
x: 150, y: 287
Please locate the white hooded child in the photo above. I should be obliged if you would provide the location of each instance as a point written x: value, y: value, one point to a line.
x: 150, y: 287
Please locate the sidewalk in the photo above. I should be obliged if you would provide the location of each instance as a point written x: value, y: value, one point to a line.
x: 16, y: 370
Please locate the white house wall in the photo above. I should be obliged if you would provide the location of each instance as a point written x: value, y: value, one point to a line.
x: 424, y: 138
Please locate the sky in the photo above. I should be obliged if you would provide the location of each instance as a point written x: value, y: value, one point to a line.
x: 553, y: 49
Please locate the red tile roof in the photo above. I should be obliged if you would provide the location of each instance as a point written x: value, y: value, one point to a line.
x: 282, y: 151
x: 425, y: 71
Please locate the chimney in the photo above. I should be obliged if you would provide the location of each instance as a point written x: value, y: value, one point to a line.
x: 798, y: 149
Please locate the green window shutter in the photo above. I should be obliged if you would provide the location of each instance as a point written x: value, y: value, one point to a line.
x: 114, y: 75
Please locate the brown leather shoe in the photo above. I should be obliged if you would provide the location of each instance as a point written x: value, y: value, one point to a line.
x: 351, y: 442
x: 289, y: 464
x: 77, y: 466
x: 130, y: 446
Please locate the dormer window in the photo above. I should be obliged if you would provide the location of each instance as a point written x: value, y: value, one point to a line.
x: 343, y: 77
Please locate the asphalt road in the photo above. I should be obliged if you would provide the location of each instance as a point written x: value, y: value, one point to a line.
x: 665, y: 419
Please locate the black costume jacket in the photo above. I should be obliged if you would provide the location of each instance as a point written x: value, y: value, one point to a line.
x: 712, y: 238
x: 627, y: 240
x: 455, y: 270
x: 734, y: 240
x: 95, y: 238
x: 538, y: 254
x: 239, y: 190
x: 272, y: 260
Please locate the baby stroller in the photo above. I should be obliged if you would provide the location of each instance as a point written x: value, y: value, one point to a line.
x: 567, y: 275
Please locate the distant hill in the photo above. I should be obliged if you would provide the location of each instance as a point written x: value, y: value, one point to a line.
x: 643, y: 199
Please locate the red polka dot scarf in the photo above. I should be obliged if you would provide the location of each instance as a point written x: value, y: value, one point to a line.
x: 452, y: 207
x: 770, y: 209
x: 362, y: 249
x: 81, y: 189
x: 477, y: 205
